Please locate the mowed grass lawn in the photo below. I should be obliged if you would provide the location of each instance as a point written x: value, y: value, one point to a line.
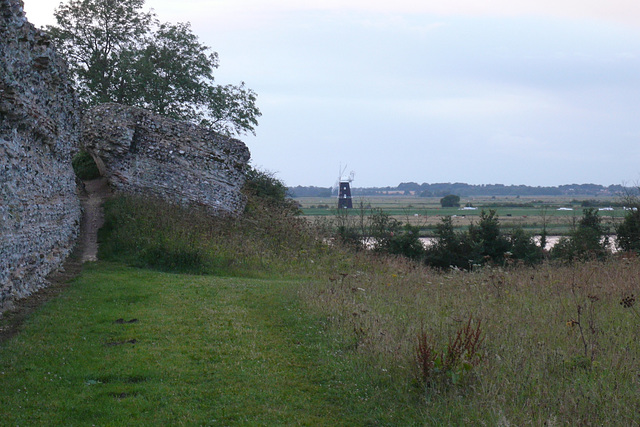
x: 126, y: 346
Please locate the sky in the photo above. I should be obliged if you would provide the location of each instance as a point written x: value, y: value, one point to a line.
x: 532, y: 92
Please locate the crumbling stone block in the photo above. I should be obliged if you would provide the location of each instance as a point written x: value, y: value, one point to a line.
x: 141, y: 152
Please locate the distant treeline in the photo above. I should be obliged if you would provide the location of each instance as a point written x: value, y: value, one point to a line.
x: 468, y: 190
x: 301, y: 191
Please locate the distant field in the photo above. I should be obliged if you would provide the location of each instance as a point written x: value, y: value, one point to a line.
x: 527, y: 212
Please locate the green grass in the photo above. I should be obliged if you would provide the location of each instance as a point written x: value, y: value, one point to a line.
x: 207, y: 351
x: 281, y: 328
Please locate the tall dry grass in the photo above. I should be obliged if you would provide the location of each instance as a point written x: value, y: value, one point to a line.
x: 267, y: 240
x: 560, y: 343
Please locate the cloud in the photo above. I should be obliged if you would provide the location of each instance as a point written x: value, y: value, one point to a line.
x: 264, y: 13
x: 249, y: 13
x: 625, y: 11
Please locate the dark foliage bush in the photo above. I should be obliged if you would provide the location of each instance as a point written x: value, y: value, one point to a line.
x: 391, y: 237
x: 489, y: 242
x: 482, y: 243
x: 264, y: 188
x: 450, y: 248
x: 628, y: 232
x: 589, y: 240
x: 524, y: 248
x: 363, y: 228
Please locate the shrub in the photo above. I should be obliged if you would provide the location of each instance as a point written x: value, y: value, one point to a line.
x: 407, y: 242
x: 524, y: 248
x: 488, y: 239
x: 588, y: 240
x: 360, y: 228
x: 482, y: 243
x: 262, y: 187
x: 151, y: 233
x: 391, y: 237
x: 147, y: 232
x: 450, y: 248
x: 628, y: 232
x: 350, y: 230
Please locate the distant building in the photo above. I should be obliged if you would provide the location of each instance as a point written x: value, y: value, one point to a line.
x: 344, y: 195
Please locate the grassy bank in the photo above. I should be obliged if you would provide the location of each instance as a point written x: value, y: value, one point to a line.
x: 137, y: 347
x: 126, y: 346
x: 277, y: 326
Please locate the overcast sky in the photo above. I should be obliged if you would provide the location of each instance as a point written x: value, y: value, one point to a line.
x: 535, y: 92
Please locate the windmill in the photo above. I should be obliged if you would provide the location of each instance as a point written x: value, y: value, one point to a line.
x: 344, y: 189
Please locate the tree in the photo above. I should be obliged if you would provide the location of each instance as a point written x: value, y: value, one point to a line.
x: 118, y: 53
x: 481, y: 244
x: 544, y: 216
x: 450, y: 248
x: 588, y: 240
x: 488, y: 237
x: 523, y: 247
x: 628, y: 232
x: 391, y: 237
x: 450, y: 201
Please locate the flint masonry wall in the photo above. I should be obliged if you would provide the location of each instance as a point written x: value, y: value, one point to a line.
x: 39, y: 122
x: 140, y: 152
x: 137, y: 151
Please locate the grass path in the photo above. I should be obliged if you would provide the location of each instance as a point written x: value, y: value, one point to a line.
x: 133, y: 347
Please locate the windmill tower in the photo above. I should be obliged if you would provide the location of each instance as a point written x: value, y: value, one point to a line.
x: 344, y: 190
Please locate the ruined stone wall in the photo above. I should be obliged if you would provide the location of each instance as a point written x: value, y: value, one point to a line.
x: 141, y: 152
x: 39, y: 121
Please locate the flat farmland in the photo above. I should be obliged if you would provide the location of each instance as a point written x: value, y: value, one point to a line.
x: 559, y: 214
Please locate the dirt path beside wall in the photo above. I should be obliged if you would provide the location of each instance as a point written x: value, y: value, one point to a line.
x: 92, y: 198
x: 93, y: 217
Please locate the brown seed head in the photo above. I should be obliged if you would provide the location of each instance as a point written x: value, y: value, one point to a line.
x: 628, y: 301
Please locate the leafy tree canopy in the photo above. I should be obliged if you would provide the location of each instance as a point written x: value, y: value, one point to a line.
x: 450, y: 201
x: 589, y: 239
x: 118, y: 53
x: 628, y: 232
